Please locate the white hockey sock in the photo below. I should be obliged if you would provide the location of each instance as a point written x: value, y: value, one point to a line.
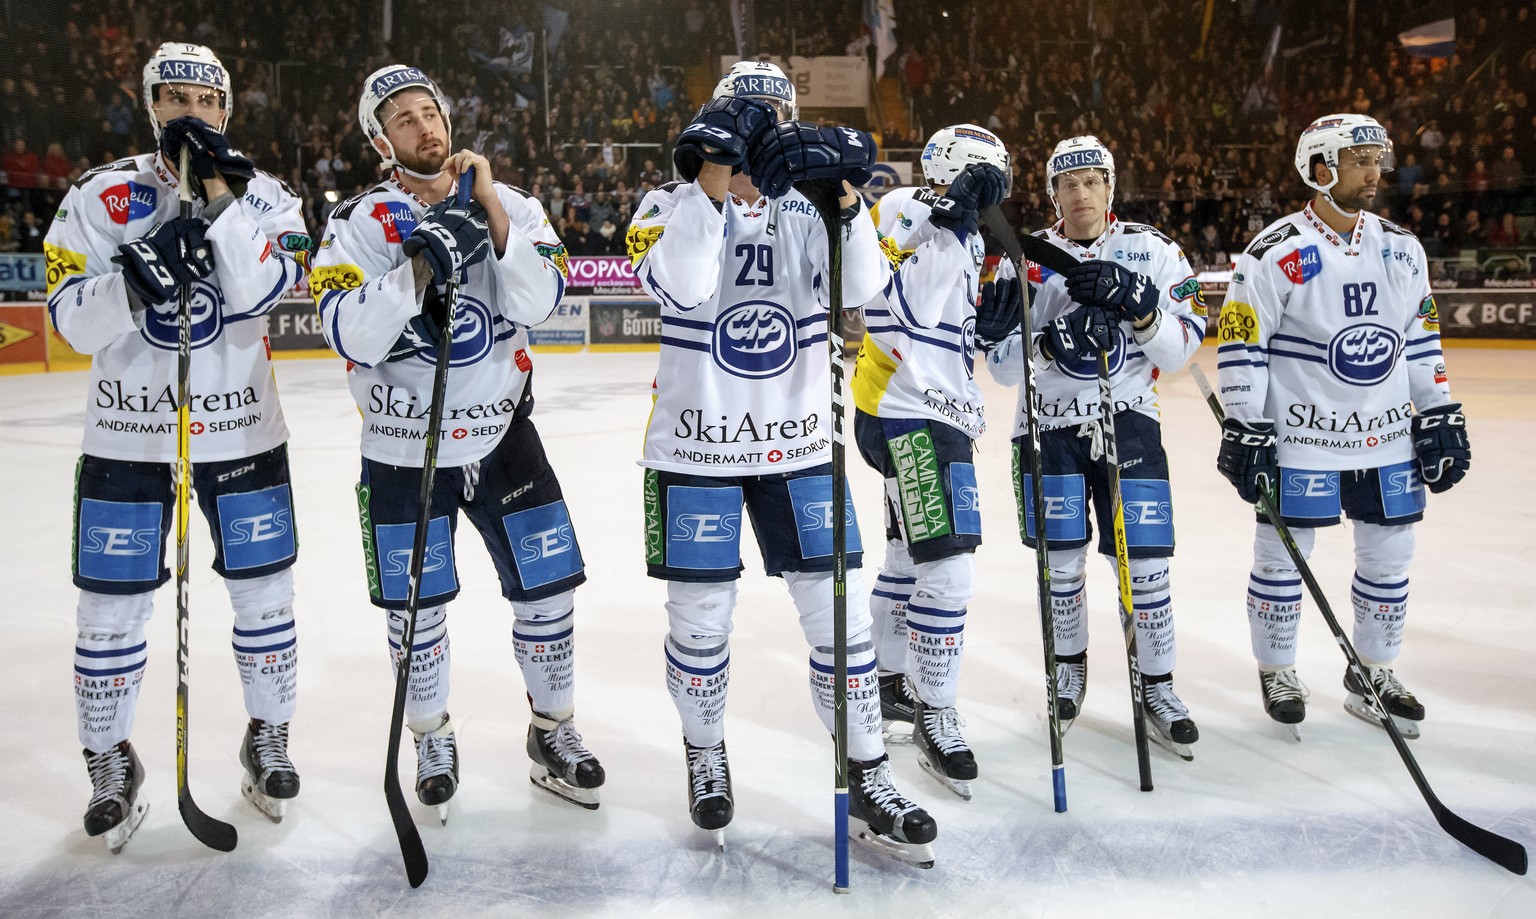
x: 888, y: 608
x: 864, y: 741
x: 936, y: 618
x: 266, y: 645
x: 1156, y: 650
x: 1069, y: 601
x: 698, y: 656
x: 1274, y: 597
x: 110, y: 656
x: 1380, y: 589
x: 544, y: 643
x: 426, y: 697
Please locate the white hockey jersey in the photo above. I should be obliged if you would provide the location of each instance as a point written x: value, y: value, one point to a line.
x: 366, y: 292
x: 1334, y: 340
x: 918, y: 359
x: 1068, y: 393
x: 744, y: 384
x: 258, y: 245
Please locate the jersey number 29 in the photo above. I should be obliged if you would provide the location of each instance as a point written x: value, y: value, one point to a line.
x: 758, y: 259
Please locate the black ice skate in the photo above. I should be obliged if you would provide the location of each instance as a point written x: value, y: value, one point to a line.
x: 1168, y: 721
x: 1406, y: 711
x: 437, y: 767
x: 560, y: 763
x: 896, y: 704
x: 1285, y: 698
x: 115, y: 810
x: 941, y: 751
x: 270, y: 779
x: 1071, y: 687
x: 879, y: 817
x: 709, y: 789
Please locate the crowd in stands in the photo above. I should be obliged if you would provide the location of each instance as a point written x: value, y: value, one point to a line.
x: 1202, y: 120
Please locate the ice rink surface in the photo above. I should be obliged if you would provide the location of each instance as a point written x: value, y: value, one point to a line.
x: 1256, y: 826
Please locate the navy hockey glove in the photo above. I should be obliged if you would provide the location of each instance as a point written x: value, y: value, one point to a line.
x: 210, y: 155
x: 451, y: 238
x: 723, y: 131
x: 1132, y: 295
x: 1082, y: 333
x: 977, y: 187
x: 999, y: 312
x: 796, y: 152
x: 1248, y: 457
x: 173, y: 254
x: 1440, y: 443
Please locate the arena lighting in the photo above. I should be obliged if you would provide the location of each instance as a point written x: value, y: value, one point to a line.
x: 331, y: 196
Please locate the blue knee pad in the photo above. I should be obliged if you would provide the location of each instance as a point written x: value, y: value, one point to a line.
x: 256, y: 528
x: 543, y: 544
x: 703, y: 529
x: 118, y: 546
x: 811, y: 498
x: 1148, y: 508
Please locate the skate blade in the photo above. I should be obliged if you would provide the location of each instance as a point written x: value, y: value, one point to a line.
x: 274, y: 808
x: 1183, y: 751
x: 961, y: 787
x: 900, y: 738
x: 1358, y: 706
x: 918, y: 855
x: 118, y: 836
x: 442, y: 813
x: 582, y: 797
x: 719, y: 837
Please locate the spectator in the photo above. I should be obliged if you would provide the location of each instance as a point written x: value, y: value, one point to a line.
x: 1503, y: 235
x: 31, y: 233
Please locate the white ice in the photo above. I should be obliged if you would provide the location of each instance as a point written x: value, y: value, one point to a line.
x: 1256, y: 826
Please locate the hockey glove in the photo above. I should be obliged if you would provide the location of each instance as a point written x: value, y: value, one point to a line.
x: 796, y: 152
x: 1248, y: 457
x: 722, y: 132
x: 451, y: 238
x: 978, y: 187
x: 1082, y: 333
x: 1132, y: 295
x: 210, y: 155
x: 998, y: 314
x: 1440, y: 443
x: 173, y: 254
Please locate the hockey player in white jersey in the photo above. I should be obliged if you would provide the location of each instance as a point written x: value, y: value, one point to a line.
x: 379, y: 281
x: 919, y: 411
x: 117, y: 255
x: 1336, y: 397
x: 738, y: 261
x: 1136, y: 299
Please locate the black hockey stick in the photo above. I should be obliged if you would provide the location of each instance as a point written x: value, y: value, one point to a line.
x: 824, y: 196
x: 993, y: 216
x: 1504, y: 852
x: 213, y: 833
x: 411, y: 848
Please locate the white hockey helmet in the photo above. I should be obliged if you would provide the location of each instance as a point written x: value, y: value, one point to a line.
x: 1074, y: 153
x: 179, y: 62
x: 1329, y: 134
x: 952, y: 149
x: 385, y: 82
x: 761, y: 80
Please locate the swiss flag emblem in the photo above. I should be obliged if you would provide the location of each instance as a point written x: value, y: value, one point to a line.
x: 118, y: 681
x: 695, y: 681
x: 271, y: 659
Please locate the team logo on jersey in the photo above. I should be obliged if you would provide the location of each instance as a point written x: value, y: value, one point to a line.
x: 1428, y: 314
x: 755, y: 340
x: 472, y: 335
x: 334, y: 277
x: 61, y: 263
x: 1363, y: 355
x: 556, y: 253
x: 1087, y: 368
x: 1302, y: 265
x: 968, y: 347
x: 639, y: 241
x: 129, y: 201
x: 397, y: 218
x: 207, y: 303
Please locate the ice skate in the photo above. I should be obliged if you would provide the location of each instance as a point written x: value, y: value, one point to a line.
x: 269, y: 779
x: 437, y: 767
x: 1168, y: 719
x: 1406, y: 711
x: 881, y: 818
x: 560, y: 763
x: 1285, y: 698
x: 941, y: 751
x: 1071, y: 687
x: 709, y: 789
x: 115, y: 810
x: 896, y: 704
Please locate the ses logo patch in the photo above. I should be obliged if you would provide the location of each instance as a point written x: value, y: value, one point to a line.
x: 129, y: 201
x: 1302, y: 265
x: 397, y: 218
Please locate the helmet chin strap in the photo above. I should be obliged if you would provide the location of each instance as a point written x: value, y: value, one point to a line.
x: 425, y: 177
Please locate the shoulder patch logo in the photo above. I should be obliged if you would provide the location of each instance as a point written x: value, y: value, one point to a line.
x: 1429, y: 316
x: 397, y: 218
x: 639, y: 241
x: 334, y: 277
x: 61, y: 264
x: 1302, y: 265
x: 130, y: 201
x: 1272, y: 239
x: 555, y: 253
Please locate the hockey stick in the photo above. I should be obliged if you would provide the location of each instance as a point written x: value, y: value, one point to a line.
x: 998, y: 225
x: 824, y: 196
x: 411, y: 848
x: 213, y: 833
x: 1504, y: 852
